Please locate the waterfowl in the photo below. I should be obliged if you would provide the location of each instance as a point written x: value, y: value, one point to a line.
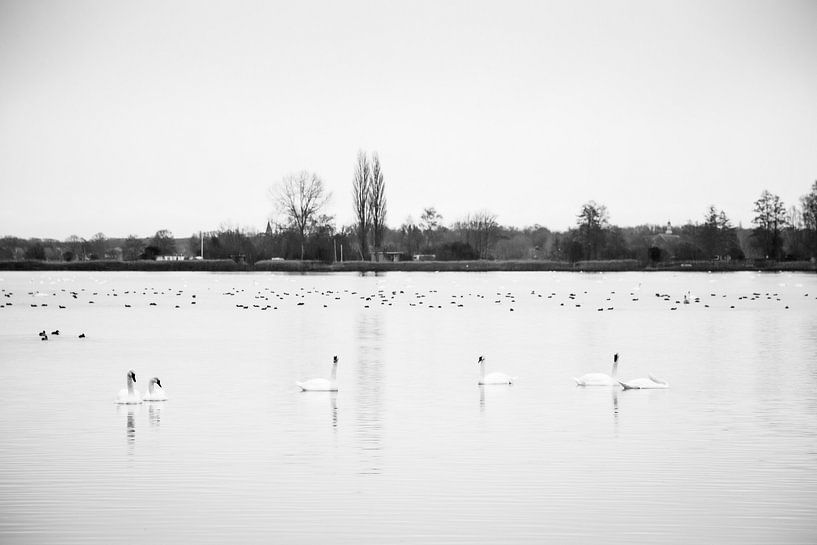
x: 492, y: 378
x: 129, y: 395
x: 322, y: 384
x: 155, y: 391
x: 599, y: 379
x: 644, y: 383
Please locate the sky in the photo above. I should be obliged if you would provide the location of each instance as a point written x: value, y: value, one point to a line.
x: 130, y: 117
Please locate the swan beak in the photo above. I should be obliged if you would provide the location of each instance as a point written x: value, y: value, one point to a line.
x: 133, y: 377
x: 159, y: 384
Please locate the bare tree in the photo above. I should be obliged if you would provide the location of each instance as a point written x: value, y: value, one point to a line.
x: 478, y: 230
x: 77, y: 246
x: 132, y: 248
x: 411, y: 237
x: 377, y: 202
x: 809, y: 204
x: 98, y: 246
x: 770, y: 219
x: 592, y: 221
x: 430, y: 222
x: 361, y: 193
x: 300, y: 198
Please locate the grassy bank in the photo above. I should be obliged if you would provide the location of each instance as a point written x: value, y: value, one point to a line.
x: 143, y: 265
x: 226, y: 265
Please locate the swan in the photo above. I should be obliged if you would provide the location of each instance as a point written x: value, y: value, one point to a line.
x: 322, y: 384
x: 599, y: 379
x: 129, y: 395
x: 644, y: 383
x: 155, y: 391
x: 492, y: 378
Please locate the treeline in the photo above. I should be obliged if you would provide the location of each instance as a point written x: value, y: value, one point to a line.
x: 779, y: 233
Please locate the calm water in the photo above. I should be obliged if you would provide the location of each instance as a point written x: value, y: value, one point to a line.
x: 410, y: 449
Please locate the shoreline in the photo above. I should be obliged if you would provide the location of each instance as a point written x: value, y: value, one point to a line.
x: 226, y: 265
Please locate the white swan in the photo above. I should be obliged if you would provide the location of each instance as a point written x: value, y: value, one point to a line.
x: 644, y: 383
x: 492, y: 378
x: 155, y: 391
x: 129, y: 395
x: 599, y: 379
x: 322, y: 384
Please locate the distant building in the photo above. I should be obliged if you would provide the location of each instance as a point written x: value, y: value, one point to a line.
x: 170, y: 258
x: 386, y: 256
x: 666, y: 242
x: 424, y: 257
x: 268, y: 231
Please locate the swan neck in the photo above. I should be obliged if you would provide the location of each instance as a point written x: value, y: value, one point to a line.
x: 130, y: 385
x: 615, y: 369
x: 482, y: 369
x: 334, y: 372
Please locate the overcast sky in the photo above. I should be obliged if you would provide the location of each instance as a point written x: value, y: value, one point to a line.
x: 129, y: 117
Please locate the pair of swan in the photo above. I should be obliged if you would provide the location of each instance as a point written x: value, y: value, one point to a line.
x: 322, y: 384
x: 600, y: 379
x: 130, y: 396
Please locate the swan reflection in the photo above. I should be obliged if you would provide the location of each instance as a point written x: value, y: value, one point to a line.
x: 155, y: 414
x: 333, y: 404
x: 129, y: 411
x: 615, y: 410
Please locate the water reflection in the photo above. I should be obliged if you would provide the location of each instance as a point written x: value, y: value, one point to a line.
x: 155, y: 414
x: 497, y: 391
x: 333, y: 405
x: 615, y: 411
x: 130, y: 424
x: 370, y: 380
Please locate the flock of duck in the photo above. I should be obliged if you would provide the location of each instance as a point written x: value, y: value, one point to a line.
x: 155, y: 392
x: 269, y: 299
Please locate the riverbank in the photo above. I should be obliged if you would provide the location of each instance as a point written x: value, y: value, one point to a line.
x: 226, y: 265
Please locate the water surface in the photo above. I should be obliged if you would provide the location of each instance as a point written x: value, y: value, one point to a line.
x: 410, y: 449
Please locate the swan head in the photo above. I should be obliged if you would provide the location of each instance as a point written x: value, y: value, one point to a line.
x: 481, y: 359
x: 334, y: 360
x: 156, y: 381
x: 131, y: 375
x: 615, y: 358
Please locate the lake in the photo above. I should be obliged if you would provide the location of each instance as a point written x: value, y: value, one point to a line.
x: 410, y: 449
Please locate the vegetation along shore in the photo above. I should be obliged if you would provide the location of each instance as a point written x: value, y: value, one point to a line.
x: 297, y: 266
x: 304, y: 238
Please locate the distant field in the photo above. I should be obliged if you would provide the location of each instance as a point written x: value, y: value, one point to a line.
x: 429, y: 266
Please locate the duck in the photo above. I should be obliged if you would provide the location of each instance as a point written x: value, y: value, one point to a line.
x: 492, y: 378
x: 599, y: 379
x: 322, y: 384
x: 644, y: 383
x: 129, y: 395
x: 155, y: 391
